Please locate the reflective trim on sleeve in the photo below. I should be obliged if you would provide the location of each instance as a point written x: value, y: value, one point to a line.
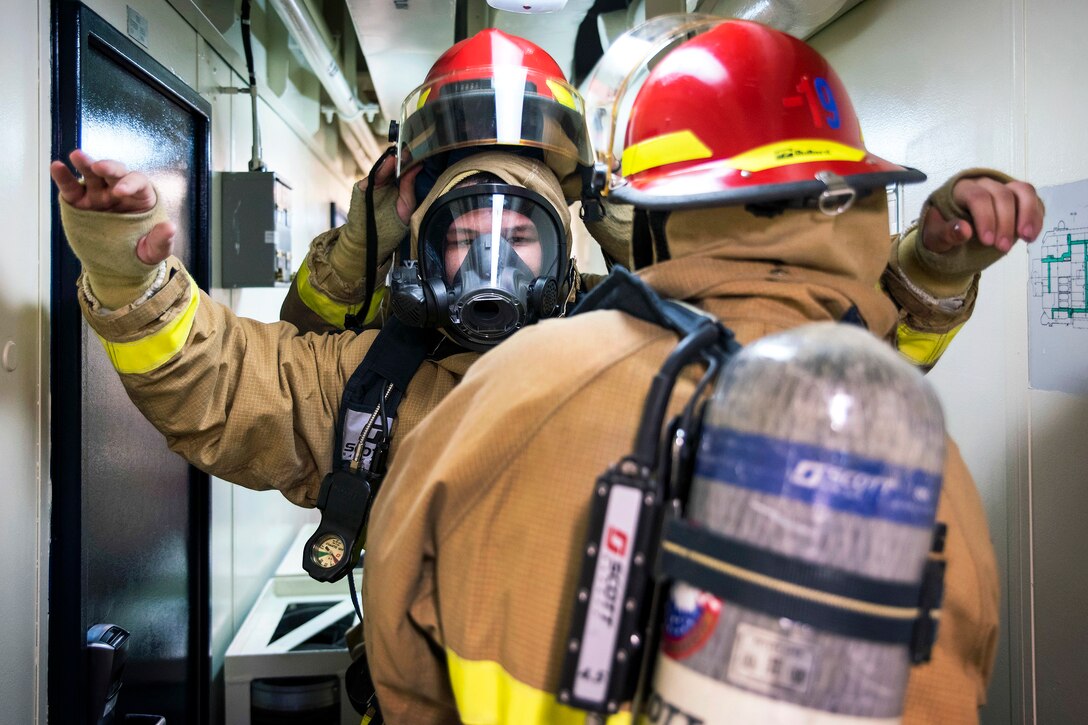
x: 923, y: 349
x: 328, y: 309
x: 487, y: 694
x: 148, y: 353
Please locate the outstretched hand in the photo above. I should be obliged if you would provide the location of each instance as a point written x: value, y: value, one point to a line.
x: 406, y: 198
x: 108, y: 186
x: 1000, y: 213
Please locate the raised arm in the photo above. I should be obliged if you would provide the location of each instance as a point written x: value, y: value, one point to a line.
x: 331, y: 281
x: 933, y: 272
x: 253, y: 403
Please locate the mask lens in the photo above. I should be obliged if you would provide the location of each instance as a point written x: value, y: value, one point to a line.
x: 495, y: 237
x: 489, y: 244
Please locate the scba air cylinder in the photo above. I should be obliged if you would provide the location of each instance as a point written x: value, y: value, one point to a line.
x: 822, y: 449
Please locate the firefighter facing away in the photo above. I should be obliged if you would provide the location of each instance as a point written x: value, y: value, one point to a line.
x: 476, y: 543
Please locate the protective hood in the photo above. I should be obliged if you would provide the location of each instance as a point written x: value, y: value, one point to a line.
x: 845, y: 254
x: 514, y: 170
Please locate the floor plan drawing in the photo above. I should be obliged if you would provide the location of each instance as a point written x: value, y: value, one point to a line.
x: 1058, y: 293
x: 1059, y: 277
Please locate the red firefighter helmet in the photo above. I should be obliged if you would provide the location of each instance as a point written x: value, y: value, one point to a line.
x: 495, y: 89
x: 745, y: 114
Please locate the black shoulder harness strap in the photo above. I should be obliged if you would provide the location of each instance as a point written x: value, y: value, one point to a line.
x: 631, y: 499
x: 626, y: 292
x: 364, y: 433
x: 701, y: 337
x: 384, y: 373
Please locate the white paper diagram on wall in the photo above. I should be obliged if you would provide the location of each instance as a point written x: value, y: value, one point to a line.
x: 1058, y: 294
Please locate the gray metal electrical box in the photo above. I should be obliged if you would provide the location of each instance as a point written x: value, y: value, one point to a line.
x: 256, y: 230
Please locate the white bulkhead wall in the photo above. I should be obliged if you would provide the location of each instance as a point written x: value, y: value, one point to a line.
x: 942, y: 87
x: 24, y: 355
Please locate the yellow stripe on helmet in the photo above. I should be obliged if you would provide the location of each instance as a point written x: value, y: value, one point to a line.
x: 423, y: 97
x: 562, y: 94
x: 487, y: 693
x: 670, y: 148
x: 155, y: 350
x: 794, y: 151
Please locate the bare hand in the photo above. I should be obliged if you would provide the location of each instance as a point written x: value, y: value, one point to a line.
x: 108, y: 186
x: 406, y: 199
x: 999, y: 215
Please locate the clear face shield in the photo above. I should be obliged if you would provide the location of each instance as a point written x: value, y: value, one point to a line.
x: 493, y: 106
x: 611, y: 88
x: 492, y: 259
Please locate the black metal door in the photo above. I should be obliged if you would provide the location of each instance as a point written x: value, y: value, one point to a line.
x: 130, y: 518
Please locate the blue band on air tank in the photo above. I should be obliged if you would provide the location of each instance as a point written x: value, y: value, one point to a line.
x: 819, y: 476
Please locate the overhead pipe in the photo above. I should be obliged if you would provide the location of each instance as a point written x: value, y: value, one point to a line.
x: 354, y: 129
x: 800, y: 18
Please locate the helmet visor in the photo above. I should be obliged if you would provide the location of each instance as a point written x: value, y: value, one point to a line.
x: 611, y: 88
x: 509, y: 106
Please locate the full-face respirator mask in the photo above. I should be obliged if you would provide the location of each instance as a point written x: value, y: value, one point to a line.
x: 492, y: 258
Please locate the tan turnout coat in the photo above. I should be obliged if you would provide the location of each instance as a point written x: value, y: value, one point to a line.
x: 476, y: 538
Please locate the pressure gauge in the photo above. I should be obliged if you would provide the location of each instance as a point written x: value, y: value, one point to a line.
x: 328, y: 551
x: 333, y: 550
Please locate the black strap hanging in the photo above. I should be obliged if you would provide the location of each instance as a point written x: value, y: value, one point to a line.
x: 642, y: 245
x: 371, y: 242
x: 616, y: 591
x: 364, y: 433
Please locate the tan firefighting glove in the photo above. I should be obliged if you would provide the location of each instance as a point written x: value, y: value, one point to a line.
x: 949, y: 274
x: 105, y: 243
x: 613, y: 232
x: 348, y: 256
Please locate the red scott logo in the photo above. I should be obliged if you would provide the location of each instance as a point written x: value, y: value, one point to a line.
x: 616, y: 541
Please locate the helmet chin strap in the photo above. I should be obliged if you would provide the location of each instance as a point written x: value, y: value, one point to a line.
x: 648, y: 243
x: 371, y: 236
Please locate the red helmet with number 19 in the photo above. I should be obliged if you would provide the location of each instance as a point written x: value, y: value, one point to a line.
x: 745, y: 114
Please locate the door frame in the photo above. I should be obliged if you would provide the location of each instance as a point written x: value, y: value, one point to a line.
x: 74, y: 30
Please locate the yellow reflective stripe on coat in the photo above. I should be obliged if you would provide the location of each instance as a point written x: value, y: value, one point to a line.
x: 151, y: 352
x: 487, y: 694
x: 923, y: 348
x: 328, y: 309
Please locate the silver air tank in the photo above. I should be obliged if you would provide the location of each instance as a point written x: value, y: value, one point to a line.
x: 822, y: 447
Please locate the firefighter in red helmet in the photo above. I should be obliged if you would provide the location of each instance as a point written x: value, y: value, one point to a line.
x: 488, y: 253
x: 754, y: 143
x: 761, y: 207
x: 493, y: 92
